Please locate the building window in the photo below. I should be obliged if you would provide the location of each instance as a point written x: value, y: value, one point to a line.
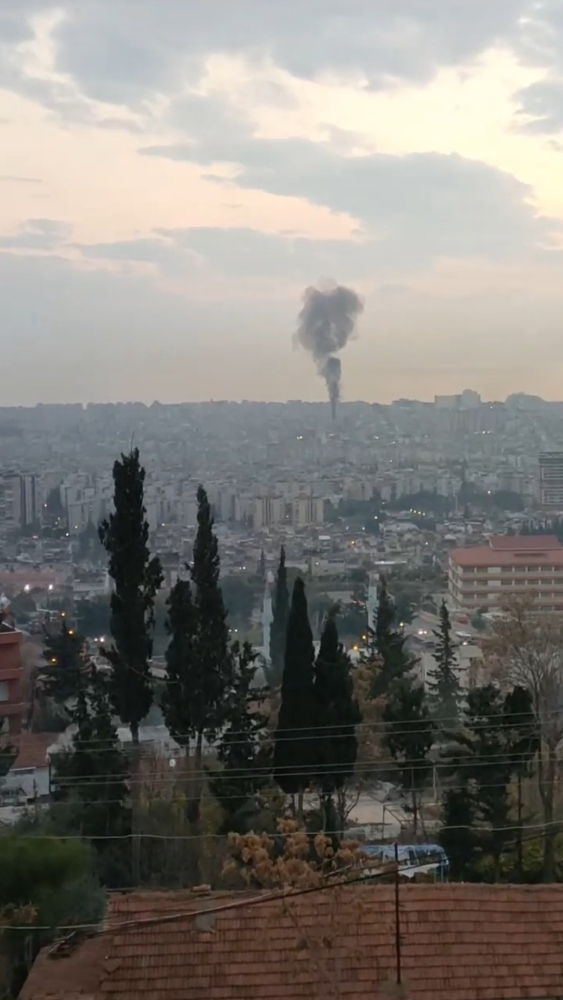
x: 4, y: 691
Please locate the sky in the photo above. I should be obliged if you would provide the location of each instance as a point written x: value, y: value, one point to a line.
x: 174, y: 174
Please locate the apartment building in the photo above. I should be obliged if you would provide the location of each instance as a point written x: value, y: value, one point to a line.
x: 11, y: 707
x: 551, y: 479
x: 484, y: 576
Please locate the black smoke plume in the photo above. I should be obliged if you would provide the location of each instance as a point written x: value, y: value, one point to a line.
x: 326, y: 323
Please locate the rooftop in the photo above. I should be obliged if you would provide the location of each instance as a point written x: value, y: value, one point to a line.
x: 524, y: 543
x: 458, y: 942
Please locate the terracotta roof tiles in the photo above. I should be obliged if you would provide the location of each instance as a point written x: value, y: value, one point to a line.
x: 458, y: 942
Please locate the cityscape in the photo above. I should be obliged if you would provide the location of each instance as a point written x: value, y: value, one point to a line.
x: 281, y: 500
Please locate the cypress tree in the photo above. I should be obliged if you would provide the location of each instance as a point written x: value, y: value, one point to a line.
x: 136, y: 578
x: 66, y: 664
x: 294, y: 762
x: 278, y: 628
x: 522, y: 733
x: 388, y: 642
x: 90, y: 778
x: 336, y: 716
x: 199, y: 684
x: 409, y: 735
x: 444, y: 691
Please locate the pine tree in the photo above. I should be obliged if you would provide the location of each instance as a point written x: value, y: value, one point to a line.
x: 136, y: 579
x: 241, y: 750
x: 388, y: 641
x: 294, y: 751
x: 444, y: 690
x: 278, y: 628
x: 336, y: 716
x: 66, y: 664
x: 199, y: 661
x: 91, y: 778
x: 409, y: 735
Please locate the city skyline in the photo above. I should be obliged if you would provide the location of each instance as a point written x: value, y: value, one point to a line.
x: 171, y: 179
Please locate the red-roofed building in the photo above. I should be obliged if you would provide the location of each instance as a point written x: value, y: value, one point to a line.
x: 484, y: 576
x: 447, y: 942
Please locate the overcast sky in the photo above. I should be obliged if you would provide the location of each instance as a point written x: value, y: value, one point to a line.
x: 173, y: 174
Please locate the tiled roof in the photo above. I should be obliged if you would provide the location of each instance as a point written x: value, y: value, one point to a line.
x: 523, y: 543
x: 483, y: 555
x: 458, y: 942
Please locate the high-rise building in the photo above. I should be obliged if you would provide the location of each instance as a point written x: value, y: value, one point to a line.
x: 551, y: 479
x: 19, y: 500
x: 268, y: 510
x: 307, y: 511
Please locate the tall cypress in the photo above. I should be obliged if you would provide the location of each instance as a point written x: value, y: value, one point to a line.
x: 199, y: 663
x: 136, y: 579
x: 388, y: 642
x: 294, y: 763
x: 278, y: 628
x: 337, y: 715
x: 444, y: 690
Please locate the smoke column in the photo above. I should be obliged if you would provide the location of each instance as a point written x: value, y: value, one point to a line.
x: 326, y: 323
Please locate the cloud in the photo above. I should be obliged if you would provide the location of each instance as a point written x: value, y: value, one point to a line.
x: 127, y: 52
x: 37, y: 234
x: 542, y: 102
x: 411, y: 208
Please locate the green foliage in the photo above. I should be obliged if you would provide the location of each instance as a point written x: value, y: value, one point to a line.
x: 336, y: 715
x: 91, y: 780
x: 44, y: 883
x: 184, y: 699
x: 497, y: 742
x: 278, y: 628
x: 240, y: 595
x: 294, y: 749
x: 23, y: 606
x: 199, y: 664
x: 409, y: 735
x: 388, y: 641
x: 93, y: 616
x: 444, y: 691
x: 242, y: 750
x: 136, y: 577
x: 66, y: 664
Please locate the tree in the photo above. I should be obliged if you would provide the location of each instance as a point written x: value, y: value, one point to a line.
x: 44, y: 882
x: 526, y: 650
x: 457, y: 835
x: 444, y: 691
x: 241, y: 750
x: 278, y: 628
x: 336, y: 716
x: 409, y: 735
x: 524, y: 744
x: 66, y: 663
x: 199, y: 663
x: 294, y: 750
x: 136, y: 579
x: 262, y: 566
x: 90, y: 778
x: 388, y: 642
